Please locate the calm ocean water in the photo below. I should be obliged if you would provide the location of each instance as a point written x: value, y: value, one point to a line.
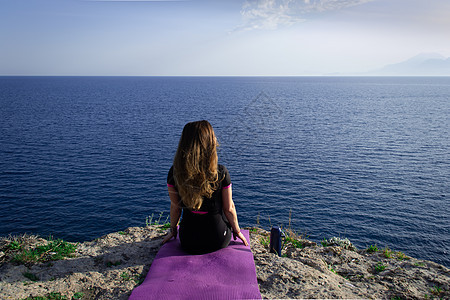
x: 364, y: 158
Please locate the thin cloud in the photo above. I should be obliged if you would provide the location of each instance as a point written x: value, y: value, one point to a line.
x: 271, y: 14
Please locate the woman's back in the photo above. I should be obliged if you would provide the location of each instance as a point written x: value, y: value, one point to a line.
x: 200, y: 191
x: 205, y: 230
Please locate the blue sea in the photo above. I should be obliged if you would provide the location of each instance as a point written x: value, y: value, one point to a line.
x: 367, y: 158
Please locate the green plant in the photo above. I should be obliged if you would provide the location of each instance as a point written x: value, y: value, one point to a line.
x: 77, y: 296
x: 379, y: 267
x: 165, y: 226
x: 296, y: 243
x: 30, y: 276
x: 53, y: 250
x: 162, y: 228
x: 265, y: 241
x: 56, y: 296
x: 149, y: 220
x: 51, y: 296
x: 387, y: 252
x: 436, y: 290
x: 293, y: 237
x: 253, y: 229
x: 372, y: 248
x: 324, y: 242
x: 14, y: 245
x: 125, y: 276
x: 122, y: 233
x: 401, y: 256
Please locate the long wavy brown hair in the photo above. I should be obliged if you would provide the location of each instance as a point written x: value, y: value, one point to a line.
x: 195, y: 164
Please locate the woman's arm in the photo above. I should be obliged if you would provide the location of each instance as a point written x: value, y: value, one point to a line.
x: 175, y: 213
x: 230, y: 212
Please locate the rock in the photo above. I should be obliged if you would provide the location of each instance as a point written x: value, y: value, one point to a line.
x: 113, y: 265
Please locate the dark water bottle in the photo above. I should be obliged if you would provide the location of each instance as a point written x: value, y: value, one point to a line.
x: 275, y: 240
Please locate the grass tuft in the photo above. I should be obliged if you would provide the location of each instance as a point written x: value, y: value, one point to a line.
x: 51, y: 296
x: 14, y: 245
x: 294, y: 238
x: 165, y: 226
x: 125, y: 276
x: 77, y: 296
x: 379, y: 267
x: 295, y: 243
x: 332, y: 269
x: 253, y: 229
x: 265, y: 241
x: 387, y: 252
x: 402, y: 256
x: 372, y: 248
x: 149, y: 221
x: 53, y: 250
x: 436, y: 290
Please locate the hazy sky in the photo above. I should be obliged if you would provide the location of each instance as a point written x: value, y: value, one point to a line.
x: 216, y: 37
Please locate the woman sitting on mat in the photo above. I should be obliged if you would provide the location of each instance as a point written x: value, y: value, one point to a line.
x: 201, y: 188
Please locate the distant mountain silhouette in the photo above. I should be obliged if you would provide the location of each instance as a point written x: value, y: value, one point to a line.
x: 424, y: 64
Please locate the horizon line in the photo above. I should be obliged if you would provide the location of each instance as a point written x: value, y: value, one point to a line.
x: 321, y: 75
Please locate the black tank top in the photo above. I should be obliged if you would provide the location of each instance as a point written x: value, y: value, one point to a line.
x: 211, y: 205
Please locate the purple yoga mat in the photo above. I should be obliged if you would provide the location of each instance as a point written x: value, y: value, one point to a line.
x: 228, y: 273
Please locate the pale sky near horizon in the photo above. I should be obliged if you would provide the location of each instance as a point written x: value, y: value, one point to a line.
x: 217, y: 37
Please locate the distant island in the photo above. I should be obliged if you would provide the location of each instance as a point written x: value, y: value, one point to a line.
x: 424, y: 64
